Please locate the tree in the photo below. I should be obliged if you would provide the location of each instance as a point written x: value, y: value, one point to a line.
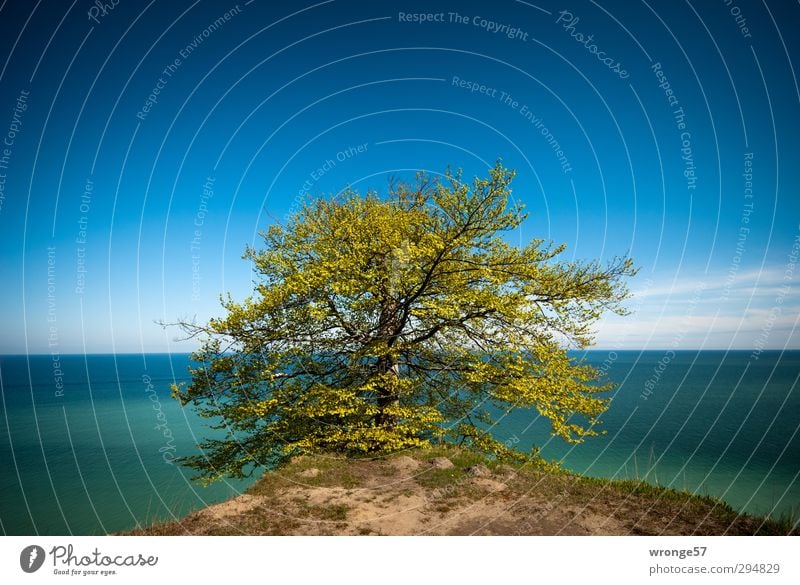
x: 379, y: 324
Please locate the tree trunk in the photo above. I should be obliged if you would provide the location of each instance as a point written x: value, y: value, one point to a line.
x: 386, y: 395
x: 387, y: 364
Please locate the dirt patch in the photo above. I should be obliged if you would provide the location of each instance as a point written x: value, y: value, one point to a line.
x: 426, y: 493
x: 441, y: 463
x: 404, y: 465
x: 231, y: 508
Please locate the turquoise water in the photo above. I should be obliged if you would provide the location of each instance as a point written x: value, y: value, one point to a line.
x: 98, y: 458
x: 95, y: 455
x: 711, y: 422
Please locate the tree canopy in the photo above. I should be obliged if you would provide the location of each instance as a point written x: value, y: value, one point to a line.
x: 379, y: 323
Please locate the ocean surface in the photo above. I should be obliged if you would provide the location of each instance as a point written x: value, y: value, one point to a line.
x: 86, y: 444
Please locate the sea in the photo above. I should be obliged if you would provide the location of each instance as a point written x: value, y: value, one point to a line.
x: 88, y: 442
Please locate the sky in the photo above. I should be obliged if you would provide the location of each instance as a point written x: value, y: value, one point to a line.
x: 145, y: 144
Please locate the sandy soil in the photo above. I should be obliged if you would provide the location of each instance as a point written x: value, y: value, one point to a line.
x: 430, y: 494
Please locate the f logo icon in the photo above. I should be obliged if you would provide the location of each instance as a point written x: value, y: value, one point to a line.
x: 31, y: 558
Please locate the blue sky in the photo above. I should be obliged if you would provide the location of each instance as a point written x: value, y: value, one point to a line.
x: 670, y: 135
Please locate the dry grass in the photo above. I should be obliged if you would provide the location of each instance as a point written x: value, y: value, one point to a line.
x: 406, y: 494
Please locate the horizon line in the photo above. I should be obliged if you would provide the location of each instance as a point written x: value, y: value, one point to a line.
x: 609, y: 349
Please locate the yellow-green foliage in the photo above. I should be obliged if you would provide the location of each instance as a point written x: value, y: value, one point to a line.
x: 380, y: 323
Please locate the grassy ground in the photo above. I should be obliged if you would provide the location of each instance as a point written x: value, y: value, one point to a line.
x: 447, y: 490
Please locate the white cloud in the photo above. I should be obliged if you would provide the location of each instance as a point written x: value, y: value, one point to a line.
x: 741, y: 311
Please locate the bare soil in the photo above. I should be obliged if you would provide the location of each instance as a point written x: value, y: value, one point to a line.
x: 419, y: 493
